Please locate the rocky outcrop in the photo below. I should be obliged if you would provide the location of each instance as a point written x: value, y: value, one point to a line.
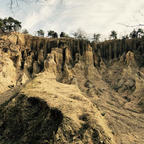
x: 94, y: 90
x: 32, y: 53
x: 110, y: 50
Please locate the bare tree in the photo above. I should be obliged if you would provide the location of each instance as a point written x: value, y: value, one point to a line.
x: 132, y: 26
x: 80, y: 34
x: 96, y: 37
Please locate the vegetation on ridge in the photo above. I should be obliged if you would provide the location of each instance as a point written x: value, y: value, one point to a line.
x: 10, y: 24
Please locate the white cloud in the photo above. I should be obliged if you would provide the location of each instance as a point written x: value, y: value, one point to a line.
x: 100, y: 16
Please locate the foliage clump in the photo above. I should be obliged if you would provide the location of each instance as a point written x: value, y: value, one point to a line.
x: 9, y: 25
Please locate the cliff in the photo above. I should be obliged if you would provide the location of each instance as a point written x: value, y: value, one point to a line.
x: 71, y: 91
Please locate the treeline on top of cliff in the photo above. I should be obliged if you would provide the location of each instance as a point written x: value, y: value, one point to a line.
x: 10, y: 24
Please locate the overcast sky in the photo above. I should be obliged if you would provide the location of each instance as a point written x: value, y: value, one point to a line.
x: 93, y: 16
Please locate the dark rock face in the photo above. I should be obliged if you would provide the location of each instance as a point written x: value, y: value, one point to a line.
x: 68, y: 50
x: 28, y: 120
x: 110, y: 50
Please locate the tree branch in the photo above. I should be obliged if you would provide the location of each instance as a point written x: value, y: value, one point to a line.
x: 131, y: 25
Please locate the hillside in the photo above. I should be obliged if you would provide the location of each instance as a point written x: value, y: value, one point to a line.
x: 71, y: 91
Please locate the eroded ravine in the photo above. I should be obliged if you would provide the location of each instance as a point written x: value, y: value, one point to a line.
x: 97, y: 89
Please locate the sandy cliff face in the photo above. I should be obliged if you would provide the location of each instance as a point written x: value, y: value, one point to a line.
x: 71, y: 91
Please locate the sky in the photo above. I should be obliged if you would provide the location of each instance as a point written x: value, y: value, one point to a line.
x: 92, y: 16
